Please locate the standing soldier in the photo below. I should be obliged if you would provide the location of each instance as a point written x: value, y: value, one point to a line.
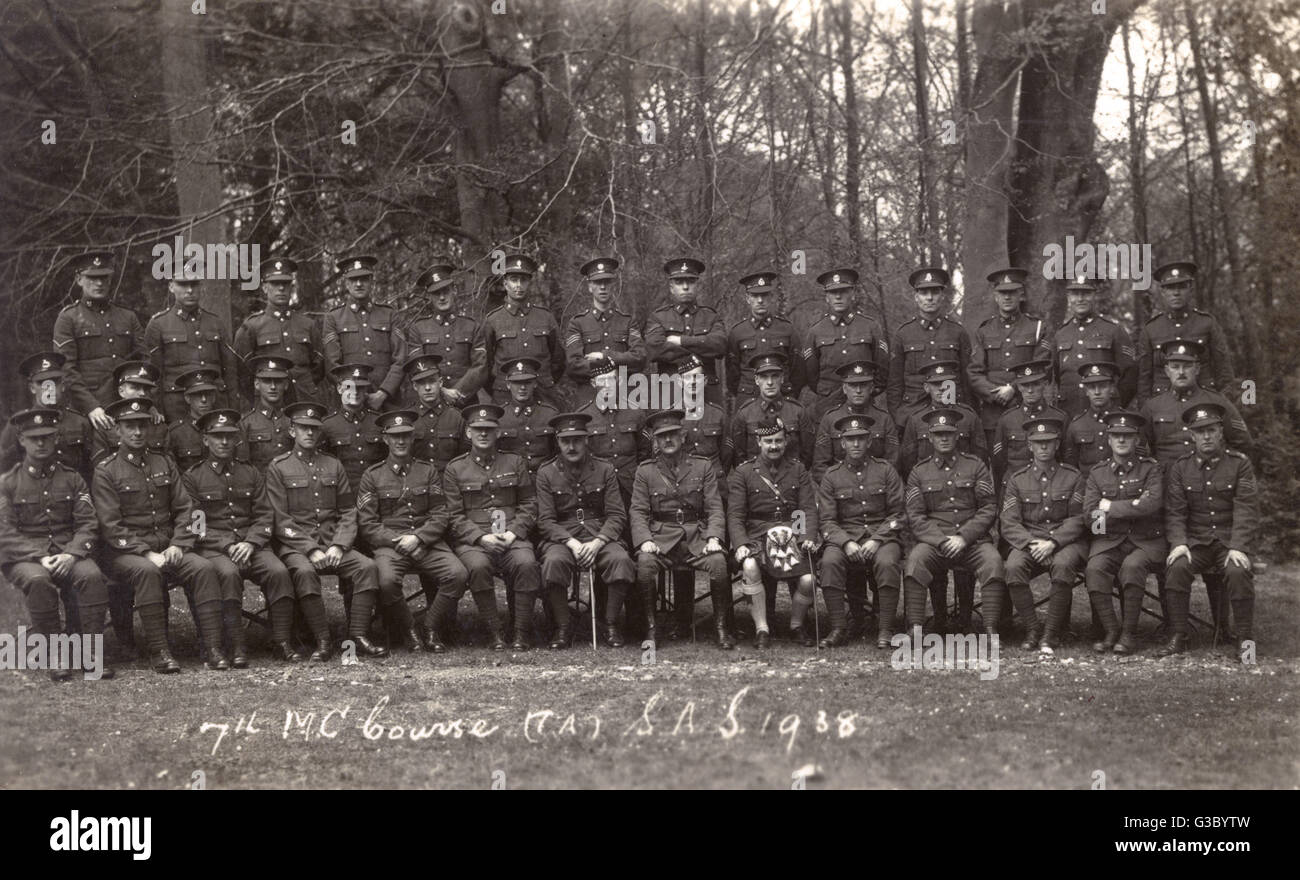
x: 581, y: 519
x: 264, y: 430
x: 1180, y: 320
x: 402, y: 517
x: 184, y: 437
x: 185, y: 338
x: 149, y: 535
x: 684, y: 327
x: 1010, y: 443
x: 1088, y: 336
x: 363, y: 332
x: 48, y: 532
x: 236, y: 535
x: 1085, y: 439
x: 315, y: 528
x: 952, y: 509
x: 613, y: 434
x: 762, y: 332
x: 751, y: 419
x: 1211, y: 513
x: 941, y: 380
x: 72, y: 445
x: 860, y: 504
x: 677, y: 522
x: 602, y: 333
x: 1042, y: 521
x: 771, y: 518
x: 930, y: 336
x: 1167, y: 435
x: 493, y: 508
x: 95, y: 336
x: 1123, y: 502
x: 1008, y: 337
x: 352, y: 434
x: 526, y: 422
x: 440, y: 430
x: 842, y: 336
x: 445, y: 333
x: 516, y: 330
x: 280, y: 331
x: 136, y: 380
x: 856, y: 381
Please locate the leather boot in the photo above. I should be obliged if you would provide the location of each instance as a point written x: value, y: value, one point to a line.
x: 721, y: 600
x: 92, y: 622
x: 1104, y: 605
x: 286, y: 652
x: 523, y: 640
x: 1128, y: 642
x: 152, y: 621
x: 803, y: 635
x: 1032, y: 637
x: 486, y: 603
x: 164, y: 663
x: 367, y: 648
x: 836, y: 638
x: 1177, y: 644
x: 615, y: 596
x: 563, y: 636
x: 233, y: 622
x: 435, y: 622
x: 324, y: 650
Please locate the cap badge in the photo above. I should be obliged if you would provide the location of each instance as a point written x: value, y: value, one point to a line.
x: 1202, y: 414
x: 835, y: 278
x: 45, y: 365
x: 135, y: 406
x: 397, y: 420
x: 38, y: 419
x: 97, y: 262
x: 943, y: 420
x: 357, y: 264
x: 1042, y: 428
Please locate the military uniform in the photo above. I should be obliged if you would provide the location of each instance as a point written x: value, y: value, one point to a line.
x: 610, y: 332
x: 615, y: 435
x: 289, y: 335
x: 918, y: 342
x: 185, y: 443
x: 759, y: 412
x: 353, y: 437
x: 526, y: 431
x: 365, y: 333
x: 178, y: 341
x: 861, y: 503
x: 439, y: 435
x: 997, y: 346
x: 834, y: 341
x: 1085, y: 440
x: 73, y: 449
x: 509, y: 333
x: 1080, y: 341
x: 95, y: 338
x: 951, y: 495
x: 751, y: 337
x: 1169, y: 439
x: 702, y: 333
x: 1011, y: 441
x: 915, y: 446
x: 1193, y: 325
x: 448, y: 335
x: 708, y: 437
x: 827, y: 449
x: 264, y: 436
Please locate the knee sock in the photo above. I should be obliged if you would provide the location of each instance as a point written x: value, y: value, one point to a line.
x: 1133, y: 608
x: 524, y: 615
x: 914, y: 603
x: 153, y: 618
x: 800, y: 602
x: 887, y: 597
x: 441, y: 609
x: 557, y: 598
x: 486, y: 603
x: 233, y: 623
x: 1104, y: 605
x: 400, y: 621
x: 313, y: 611
x: 835, y: 608
x: 994, y: 597
x: 1022, y: 597
x: 363, y: 608
x: 1058, y: 607
x: 1243, y: 611
x: 281, y: 620
x: 1179, y: 604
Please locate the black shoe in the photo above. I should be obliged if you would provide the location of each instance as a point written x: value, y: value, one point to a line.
x: 164, y: 663
x: 884, y: 641
x: 1176, y: 645
x: 1107, y: 643
x: 726, y: 641
x: 1051, y: 639
x: 60, y: 675
x: 614, y: 636
x: 762, y: 640
x: 1032, y: 638
x: 856, y: 629
x: 496, y: 640
x: 411, y: 639
x: 433, y: 642
x: 1127, y: 644
x: 838, y: 637
x: 238, y: 660
x: 367, y: 648
x: 802, y: 636
x: 217, y: 661
x: 562, y: 638
x: 324, y: 651
x: 285, y: 651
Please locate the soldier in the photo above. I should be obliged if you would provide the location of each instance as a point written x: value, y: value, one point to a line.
x: 1008, y: 337
x: 136, y: 380
x: 185, y: 338
x: 185, y: 442
x: 951, y: 508
x: 445, y: 333
x: 581, y: 518
x: 236, y: 536
x: 149, y: 535
x: 281, y: 331
x: 526, y: 423
x: 364, y: 332
x: 602, y: 332
x: 264, y: 430
x: 48, y: 532
x: 493, y: 507
x: 678, y: 522
x: 1042, y: 521
x: 856, y: 381
x: 1167, y: 436
x: 315, y: 528
x: 440, y: 430
x: 771, y: 517
x: 769, y: 370
x: 1180, y: 321
x: 95, y: 336
x: 763, y: 331
x: 352, y: 434
x: 1123, y: 502
x: 614, y: 434
x: 941, y: 379
x: 516, y: 330
x: 842, y: 336
x: 1088, y: 336
x: 1085, y: 438
x: 1010, y: 444
x: 402, y: 517
x: 930, y: 336
x: 1211, y: 513
x: 684, y: 327
x: 43, y: 373
x: 860, y: 504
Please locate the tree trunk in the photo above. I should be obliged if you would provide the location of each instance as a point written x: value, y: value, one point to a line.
x: 852, y: 133
x: 1137, y: 174
x: 927, y: 215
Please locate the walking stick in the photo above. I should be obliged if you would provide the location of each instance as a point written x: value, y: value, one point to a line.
x: 817, y: 629
x: 591, y: 604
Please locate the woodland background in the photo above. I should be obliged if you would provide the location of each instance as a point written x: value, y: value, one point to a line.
x: 876, y: 134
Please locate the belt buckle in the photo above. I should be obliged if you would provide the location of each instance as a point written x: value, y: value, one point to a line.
x: 580, y: 515
x: 681, y: 517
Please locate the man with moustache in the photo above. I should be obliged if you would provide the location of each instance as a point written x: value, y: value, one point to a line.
x: 601, y: 333
x: 185, y: 338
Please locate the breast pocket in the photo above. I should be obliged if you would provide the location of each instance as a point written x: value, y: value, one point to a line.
x: 268, y: 339
x: 964, y: 491
x: 626, y: 439
x: 1027, y: 342
x: 299, y: 493
x: 508, y: 489
x: 1060, y: 504
x: 846, y: 503
x: 329, y: 491
x: 935, y: 491
x: 29, y: 507
x: 91, y: 343
x: 212, y: 498
x: 388, y: 501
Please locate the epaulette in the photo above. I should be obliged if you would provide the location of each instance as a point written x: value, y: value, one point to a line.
x: 1110, y: 319
x: 255, y: 314
x: 11, y: 470
x: 1022, y: 470
x: 463, y: 455
x: 1147, y: 459
x: 1067, y: 465
x: 159, y: 313
x: 581, y: 314
x: 875, y: 458
x: 911, y: 320
x: 283, y: 455
x: 1235, y: 454
x: 69, y: 306
x: 104, y: 457
x: 971, y: 457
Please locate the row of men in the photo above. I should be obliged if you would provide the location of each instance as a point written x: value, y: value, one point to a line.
x: 222, y: 521
x: 97, y: 337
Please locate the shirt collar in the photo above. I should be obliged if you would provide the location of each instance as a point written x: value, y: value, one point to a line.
x: 353, y: 417
x: 770, y: 405
x: 685, y: 309
x: 270, y: 413
x: 525, y: 410
x: 100, y: 306
x: 398, y: 466
x: 132, y: 457
x: 945, y: 461
x: 42, y: 472
x: 362, y: 306
x: 1207, y: 463
x: 221, y: 467
x: 760, y: 323
x: 444, y: 318
x: 282, y: 315
x: 304, y: 455
x: 1184, y: 395
x: 1048, y: 470
x: 931, y: 323
x: 841, y: 320
x: 1123, y: 468
x: 187, y: 315
x: 516, y: 310
x: 485, y: 461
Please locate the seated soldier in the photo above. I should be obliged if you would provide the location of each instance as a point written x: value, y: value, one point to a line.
x: 236, y: 536
x: 315, y: 528
x: 402, y: 517
x: 860, y: 505
x: 1042, y: 521
x: 184, y: 437
x: 772, y: 521
x: 581, y: 519
x: 951, y: 508
x: 48, y: 533
x: 677, y: 522
x: 493, y: 508
x: 149, y: 535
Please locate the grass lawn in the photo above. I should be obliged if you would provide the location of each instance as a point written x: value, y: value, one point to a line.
x: 697, y: 718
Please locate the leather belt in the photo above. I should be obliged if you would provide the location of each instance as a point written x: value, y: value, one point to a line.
x: 680, y: 517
